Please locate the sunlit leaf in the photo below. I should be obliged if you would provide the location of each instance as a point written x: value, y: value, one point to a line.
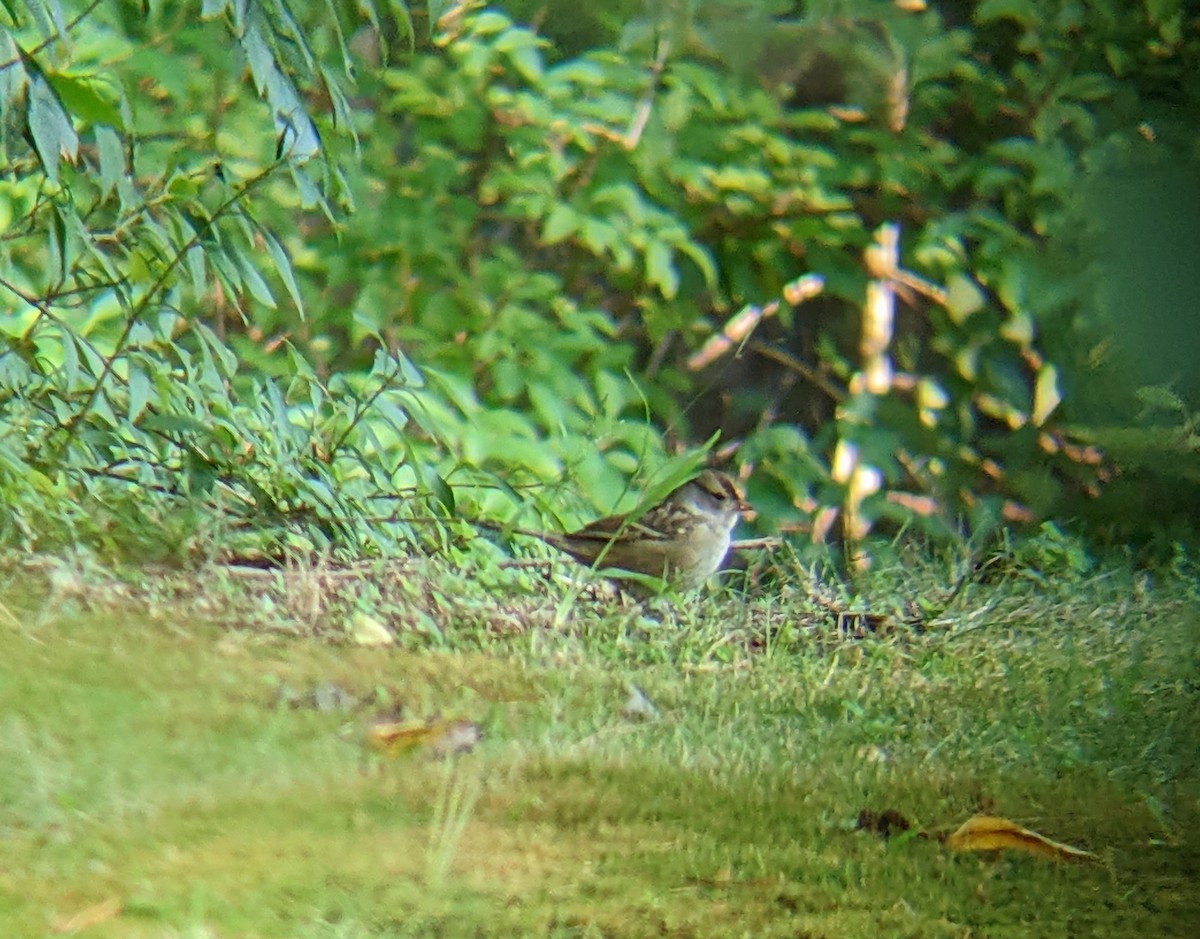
x: 366, y: 630
x: 441, y: 736
x: 988, y: 833
x: 1046, y: 395
x: 963, y: 298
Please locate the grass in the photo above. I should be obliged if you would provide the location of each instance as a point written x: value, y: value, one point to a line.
x: 165, y: 750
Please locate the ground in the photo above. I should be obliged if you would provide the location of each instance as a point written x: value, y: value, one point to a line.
x: 190, y: 755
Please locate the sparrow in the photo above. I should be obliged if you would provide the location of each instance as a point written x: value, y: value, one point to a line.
x: 681, y: 540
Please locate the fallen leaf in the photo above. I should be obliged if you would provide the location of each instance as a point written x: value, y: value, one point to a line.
x: 989, y: 833
x: 442, y: 736
x: 366, y: 630
x: 93, y: 915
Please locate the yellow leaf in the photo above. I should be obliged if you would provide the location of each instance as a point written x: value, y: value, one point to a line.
x: 988, y: 833
x: 963, y: 298
x: 1046, y: 396
x: 441, y: 735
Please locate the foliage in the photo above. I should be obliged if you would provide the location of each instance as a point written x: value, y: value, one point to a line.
x: 132, y: 237
x: 361, y: 251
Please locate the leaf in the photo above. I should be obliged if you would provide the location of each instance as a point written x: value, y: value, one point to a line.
x: 258, y: 56
x: 91, y: 916
x: 54, y: 8
x: 562, y: 222
x: 441, y: 490
x: 366, y: 630
x: 283, y: 267
x: 963, y: 298
x: 1160, y: 398
x: 700, y: 256
x: 1046, y: 395
x: 660, y: 269
x: 254, y: 281
x: 139, y: 392
x: 1089, y: 86
x: 443, y: 736
x: 112, y: 158
x: 54, y: 136
x: 195, y: 265
x: 88, y: 97
x: 989, y: 833
x: 404, y: 23
x: 521, y: 46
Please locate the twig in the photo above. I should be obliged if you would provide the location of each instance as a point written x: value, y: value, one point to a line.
x: 642, y: 115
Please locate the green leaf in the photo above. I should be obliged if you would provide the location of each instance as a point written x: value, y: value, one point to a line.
x: 1161, y: 398
x: 489, y: 23
x: 195, y: 265
x: 112, y: 158
x: 283, y: 266
x: 700, y: 257
x: 660, y: 269
x: 404, y: 21
x: 963, y: 298
x: 521, y: 47
x: 254, y: 281
x: 94, y: 100
x: 561, y: 223
x: 102, y: 408
x: 54, y: 137
x: 1090, y: 86
x: 140, y: 389
x: 259, y: 58
x: 70, y: 362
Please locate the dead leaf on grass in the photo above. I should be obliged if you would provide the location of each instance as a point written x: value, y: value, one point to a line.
x: 441, y: 737
x: 989, y: 833
x: 93, y: 915
x: 366, y: 630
